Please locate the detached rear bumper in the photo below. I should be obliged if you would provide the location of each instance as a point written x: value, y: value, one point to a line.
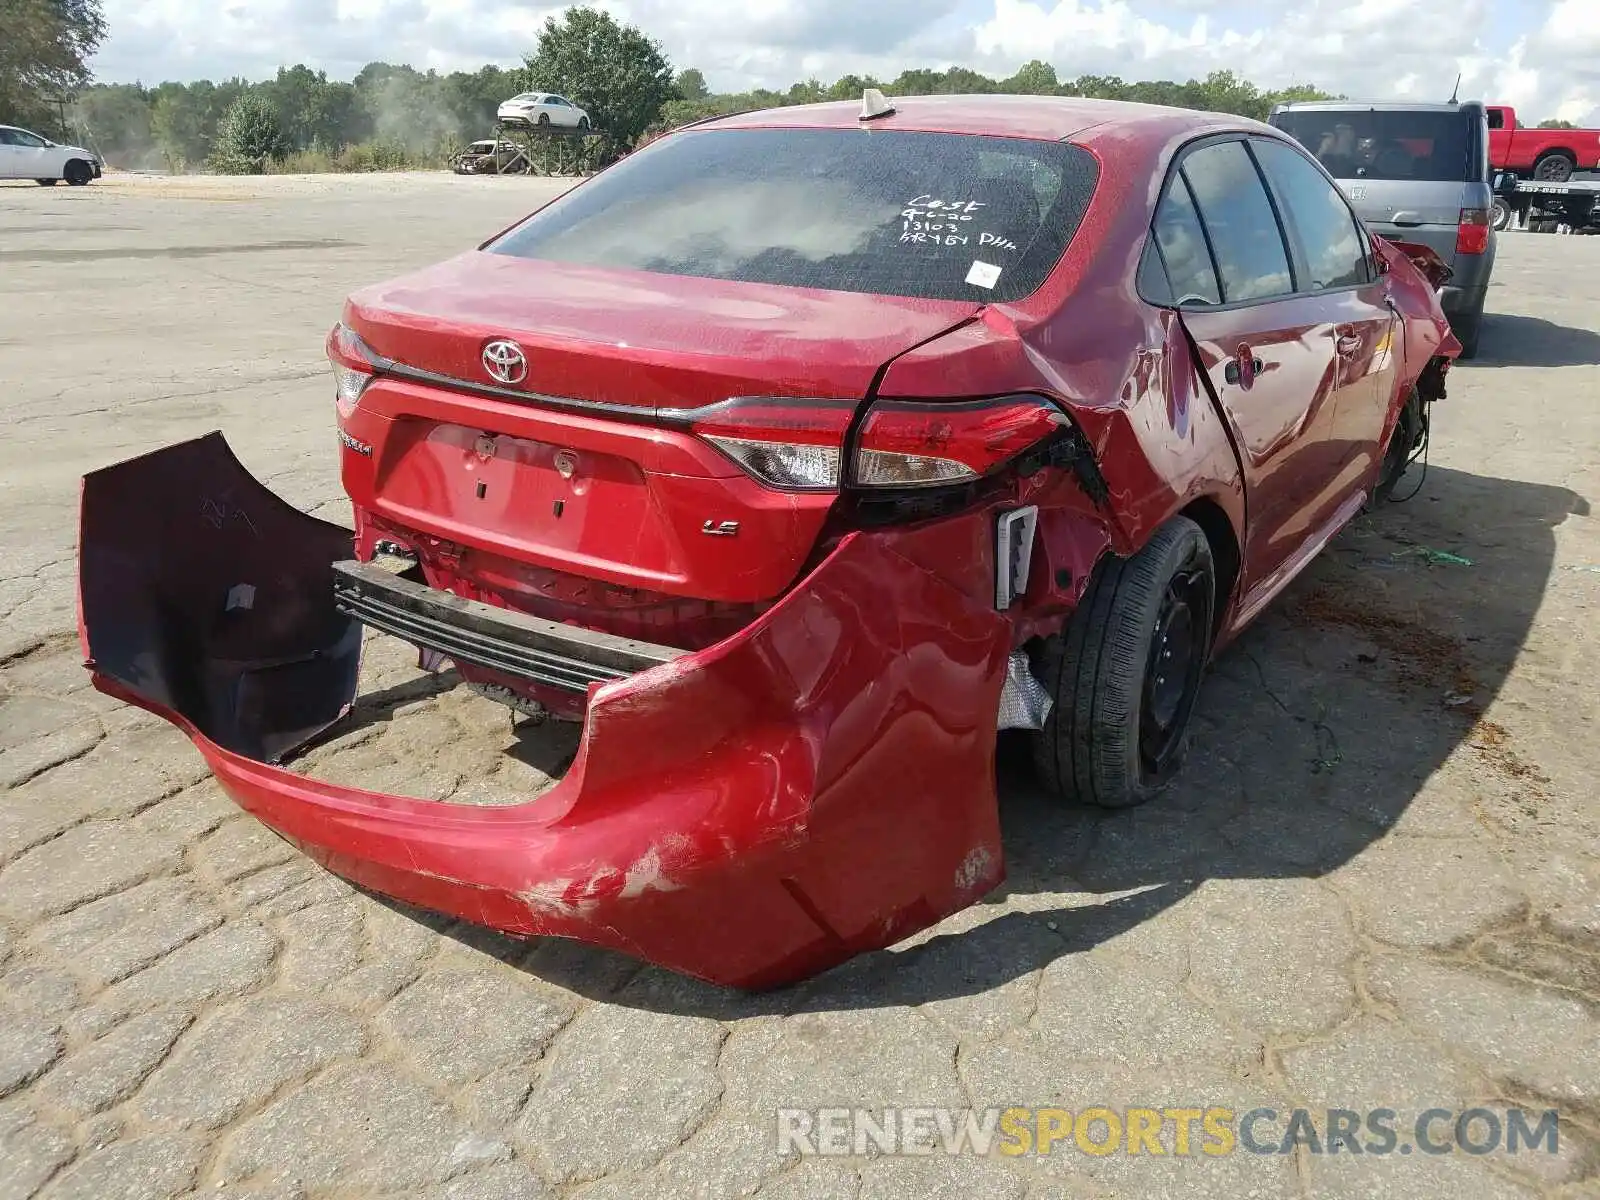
x: 817, y: 785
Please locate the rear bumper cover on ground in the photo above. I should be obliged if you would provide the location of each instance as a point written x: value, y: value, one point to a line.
x: 818, y: 785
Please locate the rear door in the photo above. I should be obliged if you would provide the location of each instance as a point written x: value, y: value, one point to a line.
x: 10, y: 156
x: 1268, y: 351
x: 1333, y: 258
x: 1408, y: 172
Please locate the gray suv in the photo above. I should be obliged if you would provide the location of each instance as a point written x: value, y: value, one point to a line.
x: 1415, y: 173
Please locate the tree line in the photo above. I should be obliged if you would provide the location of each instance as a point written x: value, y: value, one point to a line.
x: 392, y: 115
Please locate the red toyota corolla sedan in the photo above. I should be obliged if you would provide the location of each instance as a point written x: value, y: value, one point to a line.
x: 794, y: 456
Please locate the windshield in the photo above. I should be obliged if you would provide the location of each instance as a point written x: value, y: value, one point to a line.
x: 934, y: 215
x: 1398, y: 144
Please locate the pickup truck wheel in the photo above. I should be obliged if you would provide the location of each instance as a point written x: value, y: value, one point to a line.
x: 1125, y: 673
x: 47, y: 182
x: 1499, y: 214
x: 1556, y: 167
x: 78, y: 172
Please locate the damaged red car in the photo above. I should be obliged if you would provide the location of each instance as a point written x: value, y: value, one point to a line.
x: 794, y: 456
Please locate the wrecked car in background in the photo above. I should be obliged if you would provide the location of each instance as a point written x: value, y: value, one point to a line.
x: 794, y: 456
x: 491, y: 156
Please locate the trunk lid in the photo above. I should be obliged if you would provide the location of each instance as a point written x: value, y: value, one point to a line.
x: 640, y: 339
x: 579, y: 493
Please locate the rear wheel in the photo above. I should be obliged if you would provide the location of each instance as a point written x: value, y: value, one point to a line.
x: 1499, y: 214
x: 1126, y: 671
x: 1556, y: 167
x: 78, y: 172
x: 1402, y: 444
x: 544, y: 118
x: 47, y: 182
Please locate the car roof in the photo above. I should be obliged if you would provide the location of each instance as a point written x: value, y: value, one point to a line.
x: 1083, y: 120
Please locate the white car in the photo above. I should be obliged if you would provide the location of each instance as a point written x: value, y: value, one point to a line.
x: 25, y: 155
x: 543, y: 108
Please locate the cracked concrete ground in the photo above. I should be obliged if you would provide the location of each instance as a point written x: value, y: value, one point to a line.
x: 1377, y: 885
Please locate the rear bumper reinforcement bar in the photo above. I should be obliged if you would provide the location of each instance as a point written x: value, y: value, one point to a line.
x: 485, y: 635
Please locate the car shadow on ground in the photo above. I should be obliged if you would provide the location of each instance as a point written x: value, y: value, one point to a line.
x: 1316, y: 732
x: 1508, y: 340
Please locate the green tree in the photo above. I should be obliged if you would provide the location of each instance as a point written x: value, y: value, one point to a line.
x: 808, y: 91
x: 612, y: 71
x: 473, y: 98
x: 45, y: 46
x: 184, y: 118
x: 313, y: 110
x: 691, y: 85
x: 1035, y: 78
x: 1555, y: 123
x: 250, y: 136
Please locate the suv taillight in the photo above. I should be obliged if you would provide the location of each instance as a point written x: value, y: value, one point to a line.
x: 1472, y: 233
x: 352, y: 364
x: 799, y: 445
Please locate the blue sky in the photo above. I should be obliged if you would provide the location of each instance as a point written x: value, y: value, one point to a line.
x: 1541, y: 55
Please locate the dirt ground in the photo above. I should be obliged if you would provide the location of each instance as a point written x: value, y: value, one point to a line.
x: 1377, y: 884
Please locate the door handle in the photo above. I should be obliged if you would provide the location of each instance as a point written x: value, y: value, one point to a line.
x: 1348, y: 343
x: 1408, y: 219
x: 1231, y: 371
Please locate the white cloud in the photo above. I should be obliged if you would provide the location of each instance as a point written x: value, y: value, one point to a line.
x: 1541, y: 55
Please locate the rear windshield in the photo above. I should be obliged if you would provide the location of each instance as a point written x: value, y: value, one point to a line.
x: 932, y: 215
x: 1366, y: 144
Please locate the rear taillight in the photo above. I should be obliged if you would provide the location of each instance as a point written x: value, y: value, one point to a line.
x: 352, y: 367
x: 798, y: 445
x: 1472, y: 234
x: 907, y: 445
x: 792, y: 445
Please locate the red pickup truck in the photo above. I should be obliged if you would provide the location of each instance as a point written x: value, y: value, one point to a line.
x: 1550, y: 155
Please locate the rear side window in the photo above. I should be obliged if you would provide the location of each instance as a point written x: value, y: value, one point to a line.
x: 1182, y: 243
x: 1395, y: 144
x: 1245, y: 239
x: 932, y: 215
x: 1319, y: 219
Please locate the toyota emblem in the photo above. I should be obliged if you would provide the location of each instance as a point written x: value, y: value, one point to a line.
x: 505, y: 362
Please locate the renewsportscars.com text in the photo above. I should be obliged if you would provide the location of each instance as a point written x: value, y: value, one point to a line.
x: 1190, y: 1131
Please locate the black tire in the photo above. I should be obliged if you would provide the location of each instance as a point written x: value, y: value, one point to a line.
x: 1555, y: 167
x: 78, y: 172
x: 544, y: 118
x: 1499, y: 214
x: 1398, y: 454
x: 1118, y: 729
x: 583, y: 122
